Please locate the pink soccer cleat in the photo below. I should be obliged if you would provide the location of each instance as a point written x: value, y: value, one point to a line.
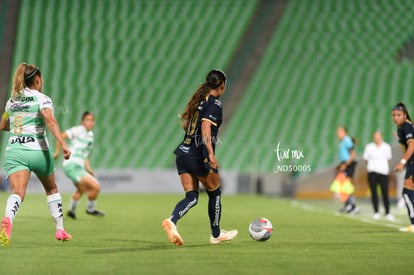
x: 224, y: 236
x: 5, y: 234
x: 62, y: 235
x: 172, y: 232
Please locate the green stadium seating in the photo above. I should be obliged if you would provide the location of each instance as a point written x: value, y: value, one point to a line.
x: 328, y: 63
x: 133, y: 63
x: 136, y: 63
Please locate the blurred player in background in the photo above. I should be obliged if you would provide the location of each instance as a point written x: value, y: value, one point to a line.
x: 196, y: 160
x: 347, y: 166
x: 77, y: 168
x: 377, y: 154
x: 405, y: 133
x: 27, y: 114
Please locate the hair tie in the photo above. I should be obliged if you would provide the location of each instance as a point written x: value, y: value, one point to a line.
x: 27, y: 77
x: 398, y: 108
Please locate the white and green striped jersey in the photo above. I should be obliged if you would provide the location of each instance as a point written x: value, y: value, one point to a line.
x: 27, y: 126
x: 81, y: 141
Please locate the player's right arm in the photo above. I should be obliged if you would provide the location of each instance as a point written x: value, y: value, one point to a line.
x: 54, y: 128
x: 206, y: 135
x: 5, y: 122
x: 408, y: 131
x: 58, y: 146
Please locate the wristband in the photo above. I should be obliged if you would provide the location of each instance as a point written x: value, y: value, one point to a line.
x: 403, y: 161
x: 5, y: 116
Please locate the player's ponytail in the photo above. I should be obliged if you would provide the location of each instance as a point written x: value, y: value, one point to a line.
x: 194, y: 101
x: 401, y: 107
x: 213, y: 80
x: 23, y: 76
x: 18, y: 80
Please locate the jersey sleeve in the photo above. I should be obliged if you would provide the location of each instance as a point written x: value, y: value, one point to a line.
x: 348, y: 143
x: 408, y: 132
x: 7, y: 107
x: 45, y: 102
x: 213, y: 112
x: 365, y: 156
x: 73, y: 132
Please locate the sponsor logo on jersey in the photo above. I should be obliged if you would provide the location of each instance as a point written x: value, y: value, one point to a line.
x: 184, y: 149
x: 22, y: 140
x: 19, y: 107
x: 47, y: 102
x: 218, y: 103
x: 212, y: 117
x: 25, y: 98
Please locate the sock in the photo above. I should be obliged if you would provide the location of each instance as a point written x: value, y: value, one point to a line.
x: 12, y: 206
x: 54, y: 203
x: 73, y: 205
x: 182, y: 207
x: 214, y: 211
x: 408, y: 196
x: 91, y: 205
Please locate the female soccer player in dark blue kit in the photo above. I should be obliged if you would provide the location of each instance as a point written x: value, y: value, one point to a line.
x: 405, y: 132
x: 195, y: 158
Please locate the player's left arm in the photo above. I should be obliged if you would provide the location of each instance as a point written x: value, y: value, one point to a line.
x: 184, y: 124
x: 88, y: 168
x: 406, y: 156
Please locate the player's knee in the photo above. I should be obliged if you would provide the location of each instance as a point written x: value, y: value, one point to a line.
x: 214, y: 192
x: 192, y: 196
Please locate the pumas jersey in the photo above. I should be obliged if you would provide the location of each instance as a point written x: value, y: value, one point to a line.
x: 27, y: 126
x: 406, y: 135
x: 210, y: 109
x: 81, y: 141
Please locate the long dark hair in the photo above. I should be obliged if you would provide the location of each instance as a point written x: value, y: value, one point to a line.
x: 401, y: 107
x: 213, y: 80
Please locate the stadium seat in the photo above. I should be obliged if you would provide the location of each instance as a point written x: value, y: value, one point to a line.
x: 133, y: 63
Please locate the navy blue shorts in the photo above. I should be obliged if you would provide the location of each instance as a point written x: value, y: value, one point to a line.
x: 350, y: 169
x: 193, y: 165
x: 409, y: 170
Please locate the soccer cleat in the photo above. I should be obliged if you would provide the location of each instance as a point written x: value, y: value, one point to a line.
x: 376, y: 216
x: 5, y: 234
x: 355, y: 211
x: 409, y: 229
x: 62, y: 235
x: 172, y: 232
x: 96, y: 213
x: 224, y: 236
x: 72, y: 215
x: 390, y: 217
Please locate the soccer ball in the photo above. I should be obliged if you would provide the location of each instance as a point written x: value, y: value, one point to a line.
x: 260, y: 229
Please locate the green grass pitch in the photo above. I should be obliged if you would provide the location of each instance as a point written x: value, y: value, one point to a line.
x: 308, y: 238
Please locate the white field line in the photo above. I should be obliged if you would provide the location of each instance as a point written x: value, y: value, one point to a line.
x: 361, y: 217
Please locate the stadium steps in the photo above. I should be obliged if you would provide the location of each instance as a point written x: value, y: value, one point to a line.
x: 249, y: 52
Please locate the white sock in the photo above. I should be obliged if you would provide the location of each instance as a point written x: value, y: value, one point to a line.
x: 12, y: 206
x: 73, y: 205
x: 54, y: 203
x: 91, y: 205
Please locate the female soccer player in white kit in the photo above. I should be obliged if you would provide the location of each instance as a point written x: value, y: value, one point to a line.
x: 77, y: 168
x: 27, y: 114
